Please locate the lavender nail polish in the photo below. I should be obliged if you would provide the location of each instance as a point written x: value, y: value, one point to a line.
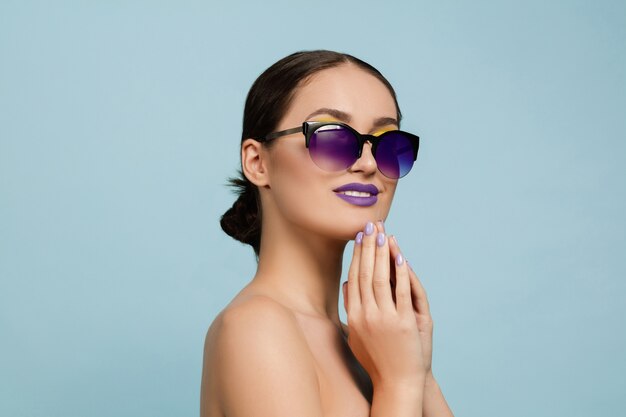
x: 380, y: 239
x: 359, y: 238
x: 399, y: 259
x: 369, y: 228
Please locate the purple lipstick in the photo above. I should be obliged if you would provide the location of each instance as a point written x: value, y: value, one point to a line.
x: 358, y: 194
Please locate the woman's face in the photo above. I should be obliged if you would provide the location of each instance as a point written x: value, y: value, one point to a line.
x: 304, y: 194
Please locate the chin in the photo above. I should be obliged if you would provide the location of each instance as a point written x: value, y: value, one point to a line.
x: 334, y: 218
x: 347, y: 226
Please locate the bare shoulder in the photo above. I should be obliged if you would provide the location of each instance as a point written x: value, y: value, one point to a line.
x: 253, y: 317
x: 255, y: 307
x: 257, y: 351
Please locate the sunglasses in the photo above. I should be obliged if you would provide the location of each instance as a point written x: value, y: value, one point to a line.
x: 336, y: 146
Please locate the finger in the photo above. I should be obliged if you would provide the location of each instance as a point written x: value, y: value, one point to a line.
x: 403, y: 285
x: 392, y: 269
x: 344, y: 288
x: 366, y: 265
x: 418, y: 293
x: 354, y: 295
x: 394, y: 250
x: 381, y: 281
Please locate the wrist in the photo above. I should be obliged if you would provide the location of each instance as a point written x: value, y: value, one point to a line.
x: 397, y: 399
x: 409, y: 386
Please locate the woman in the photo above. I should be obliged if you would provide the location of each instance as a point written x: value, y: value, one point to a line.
x: 321, y: 155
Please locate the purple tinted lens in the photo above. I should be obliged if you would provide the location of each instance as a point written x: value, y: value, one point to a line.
x: 394, y: 155
x: 333, y: 147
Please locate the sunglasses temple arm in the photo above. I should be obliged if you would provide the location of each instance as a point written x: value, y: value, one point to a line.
x: 283, y: 133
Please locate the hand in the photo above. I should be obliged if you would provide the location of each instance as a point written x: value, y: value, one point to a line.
x: 421, y: 310
x: 383, y: 335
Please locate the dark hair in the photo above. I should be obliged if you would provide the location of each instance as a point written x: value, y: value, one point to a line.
x: 267, y: 102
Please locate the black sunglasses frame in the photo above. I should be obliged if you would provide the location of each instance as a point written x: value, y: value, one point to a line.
x: 308, y: 128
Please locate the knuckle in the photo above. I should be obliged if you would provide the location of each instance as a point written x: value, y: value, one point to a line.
x: 365, y: 273
x: 371, y: 318
x: 380, y: 283
x: 402, y: 292
x: 354, y: 320
x: 406, y: 325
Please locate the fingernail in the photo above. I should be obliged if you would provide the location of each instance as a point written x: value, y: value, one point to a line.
x: 399, y: 259
x: 359, y: 238
x: 380, y: 239
x: 369, y: 228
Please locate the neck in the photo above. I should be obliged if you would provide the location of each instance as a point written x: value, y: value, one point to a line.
x: 301, y: 270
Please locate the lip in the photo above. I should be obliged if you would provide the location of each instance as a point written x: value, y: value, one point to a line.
x: 358, y: 201
x: 355, y: 186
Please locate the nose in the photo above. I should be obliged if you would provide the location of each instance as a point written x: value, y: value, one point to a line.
x: 366, y: 163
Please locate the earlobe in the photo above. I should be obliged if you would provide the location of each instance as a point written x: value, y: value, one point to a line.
x: 253, y: 162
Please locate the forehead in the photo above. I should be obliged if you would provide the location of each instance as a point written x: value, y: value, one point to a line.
x: 347, y: 88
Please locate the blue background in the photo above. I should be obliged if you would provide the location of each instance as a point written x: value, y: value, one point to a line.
x: 120, y: 122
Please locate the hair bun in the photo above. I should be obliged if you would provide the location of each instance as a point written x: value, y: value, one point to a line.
x: 242, y: 221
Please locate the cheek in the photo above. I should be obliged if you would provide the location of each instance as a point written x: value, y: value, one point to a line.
x: 299, y: 189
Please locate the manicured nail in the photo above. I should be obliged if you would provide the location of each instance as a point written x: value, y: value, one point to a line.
x: 359, y: 238
x: 369, y: 228
x: 399, y: 259
x: 380, y: 239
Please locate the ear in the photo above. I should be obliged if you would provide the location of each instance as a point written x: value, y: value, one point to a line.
x: 254, y: 162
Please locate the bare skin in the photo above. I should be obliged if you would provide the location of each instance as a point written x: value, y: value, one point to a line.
x: 279, y: 348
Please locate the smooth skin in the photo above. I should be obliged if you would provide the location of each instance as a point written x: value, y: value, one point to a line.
x: 278, y: 349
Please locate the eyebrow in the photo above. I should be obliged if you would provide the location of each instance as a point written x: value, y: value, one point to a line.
x: 345, y: 117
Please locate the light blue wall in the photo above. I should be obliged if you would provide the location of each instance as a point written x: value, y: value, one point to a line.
x: 119, y: 124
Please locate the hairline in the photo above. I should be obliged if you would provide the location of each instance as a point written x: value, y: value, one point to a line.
x: 348, y: 60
